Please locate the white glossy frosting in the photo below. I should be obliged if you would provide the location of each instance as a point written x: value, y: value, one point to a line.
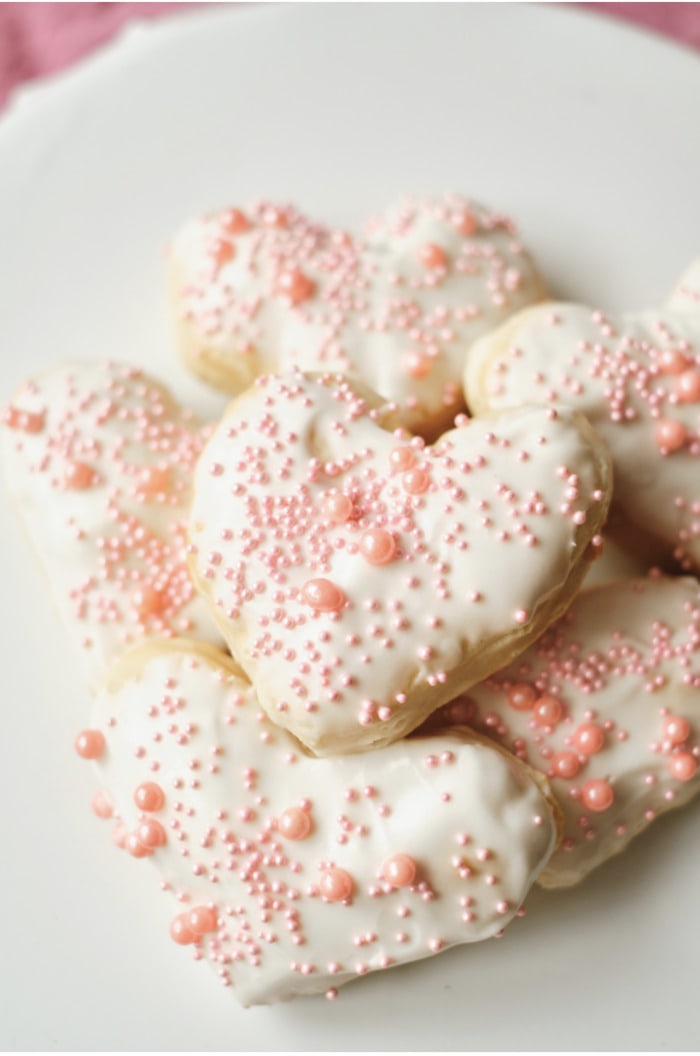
x: 486, y: 535
x: 399, y: 309
x: 636, y: 377
x: 99, y: 460
x: 686, y: 293
x: 623, y: 669
x: 253, y: 828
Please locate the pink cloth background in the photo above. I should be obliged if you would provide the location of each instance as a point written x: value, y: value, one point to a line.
x: 37, y: 39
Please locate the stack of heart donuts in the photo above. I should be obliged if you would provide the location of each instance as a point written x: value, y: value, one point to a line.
x: 414, y: 625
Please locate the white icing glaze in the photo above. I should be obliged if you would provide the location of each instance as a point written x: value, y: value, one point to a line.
x: 473, y: 822
x: 686, y: 294
x: 486, y: 534
x: 624, y: 666
x: 624, y: 373
x: 99, y: 460
x: 398, y: 309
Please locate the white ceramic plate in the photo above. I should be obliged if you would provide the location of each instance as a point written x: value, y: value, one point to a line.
x: 587, y: 133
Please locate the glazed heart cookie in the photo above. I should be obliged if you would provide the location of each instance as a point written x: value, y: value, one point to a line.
x: 294, y: 875
x: 267, y: 289
x: 636, y: 377
x: 99, y: 459
x: 607, y: 705
x: 362, y: 579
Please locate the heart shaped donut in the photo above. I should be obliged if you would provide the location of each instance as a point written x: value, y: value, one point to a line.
x: 99, y: 459
x: 267, y: 289
x: 362, y: 579
x: 636, y: 377
x: 294, y: 875
x: 607, y: 705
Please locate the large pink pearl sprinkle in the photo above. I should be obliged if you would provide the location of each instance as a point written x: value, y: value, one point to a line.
x: 432, y: 256
x: 337, y: 507
x: 415, y: 481
x: 597, y: 795
x: 149, y: 796
x: 223, y: 251
x: 589, y: 738
x: 79, y: 476
x: 378, y: 546
x: 336, y: 885
x: 148, y: 601
x: 33, y: 423
x: 565, y: 764
x: 295, y: 823
x: 401, y: 459
x: 464, y: 222
x: 235, y: 222
x: 671, y: 435
x: 151, y: 833
x: 275, y: 217
x: 155, y: 481
x: 90, y: 744
x: 180, y: 930
x: 683, y: 766
x: 25, y: 421
x: 202, y: 919
x: 671, y: 361
x: 399, y: 870
x: 135, y: 846
x: 323, y: 595
x: 296, y: 286
x: 548, y: 711
x: 676, y: 729
x: 687, y: 387
x: 521, y: 697
x: 417, y: 364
